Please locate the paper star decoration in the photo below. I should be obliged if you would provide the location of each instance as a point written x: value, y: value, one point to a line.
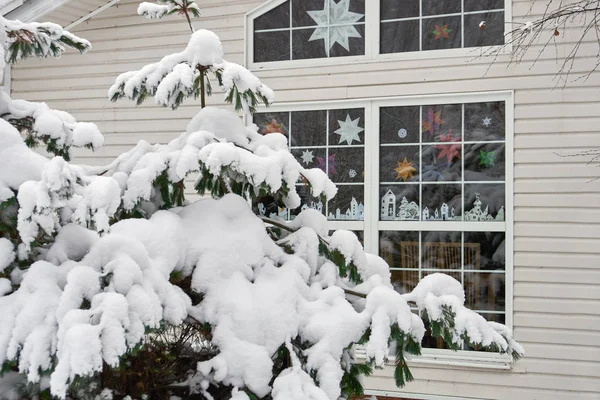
x: 441, y: 33
x: 307, y: 157
x: 272, y: 127
x: 331, y: 164
x: 405, y: 169
x: 330, y: 20
x: 487, y: 121
x: 433, y: 121
x: 487, y: 158
x: 450, y: 151
x: 349, y: 130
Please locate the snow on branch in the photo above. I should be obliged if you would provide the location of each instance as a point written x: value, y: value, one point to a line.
x: 39, y: 39
x: 182, y: 75
x: 168, y: 7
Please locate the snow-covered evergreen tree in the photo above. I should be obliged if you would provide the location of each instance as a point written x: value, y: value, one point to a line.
x: 112, y: 284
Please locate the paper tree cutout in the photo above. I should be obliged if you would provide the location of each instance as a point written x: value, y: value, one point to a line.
x: 349, y: 130
x: 405, y: 170
x: 334, y: 24
x: 441, y: 32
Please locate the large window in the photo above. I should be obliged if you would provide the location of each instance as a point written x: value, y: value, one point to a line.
x: 426, y: 183
x: 329, y: 29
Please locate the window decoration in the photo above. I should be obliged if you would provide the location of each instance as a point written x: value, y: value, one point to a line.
x: 303, y: 29
x: 332, y: 140
x: 416, y: 25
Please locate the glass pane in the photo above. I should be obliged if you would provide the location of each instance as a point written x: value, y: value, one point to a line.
x: 346, y: 40
x: 404, y: 281
x: 347, y: 126
x: 484, y: 162
x: 307, y: 201
x: 393, y: 9
x: 399, y: 249
x: 308, y: 13
x: 309, y: 158
x: 484, y: 202
x: 441, y: 202
x: 436, y: 7
x: 279, y: 17
x: 442, y: 162
x: 309, y: 128
x: 272, y: 123
x: 271, y: 46
x: 438, y: 120
x: 399, y: 125
x: 480, y: 5
x: 399, y: 203
x: 348, y: 204
x: 346, y: 164
x: 486, y: 29
x: 308, y: 43
x: 485, y: 251
x: 441, y: 251
x: 399, y: 164
x: 485, y: 291
x: 485, y: 121
x: 441, y: 33
x: 399, y: 37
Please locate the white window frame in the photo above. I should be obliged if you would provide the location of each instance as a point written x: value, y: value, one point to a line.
x: 371, y: 226
x: 372, y: 32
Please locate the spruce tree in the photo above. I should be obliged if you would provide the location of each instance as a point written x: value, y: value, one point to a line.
x: 114, y: 284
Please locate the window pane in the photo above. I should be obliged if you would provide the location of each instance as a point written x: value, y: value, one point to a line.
x: 485, y: 251
x: 441, y: 250
x: 346, y: 165
x: 404, y: 281
x: 399, y: 164
x: 485, y: 121
x: 442, y: 123
x: 307, y: 44
x: 279, y: 17
x: 307, y: 201
x: 348, y: 204
x: 484, y: 291
x: 484, y: 162
x: 272, y: 123
x: 308, y: 13
x: 400, y: 249
x: 271, y: 46
x: 309, y: 128
x: 441, y: 202
x: 399, y: 203
x: 393, y: 9
x: 400, y: 36
x: 441, y: 33
x: 442, y: 162
x: 436, y: 7
x: 347, y: 126
x: 346, y: 40
x: 489, y: 34
x: 484, y: 202
x: 399, y: 124
x: 480, y: 5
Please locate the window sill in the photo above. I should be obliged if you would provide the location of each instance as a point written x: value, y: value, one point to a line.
x: 454, y: 359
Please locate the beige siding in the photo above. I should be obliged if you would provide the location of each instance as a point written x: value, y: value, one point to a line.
x: 557, y: 203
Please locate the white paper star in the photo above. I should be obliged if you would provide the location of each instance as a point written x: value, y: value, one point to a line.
x: 307, y: 157
x: 349, y: 130
x: 487, y: 121
x: 329, y: 20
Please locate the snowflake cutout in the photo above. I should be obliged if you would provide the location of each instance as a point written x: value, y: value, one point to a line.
x: 402, y: 133
x: 487, y: 121
x: 352, y: 173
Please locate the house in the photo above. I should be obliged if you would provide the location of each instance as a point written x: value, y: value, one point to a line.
x: 423, y: 118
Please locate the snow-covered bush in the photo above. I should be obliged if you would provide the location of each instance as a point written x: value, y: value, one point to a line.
x: 113, y: 285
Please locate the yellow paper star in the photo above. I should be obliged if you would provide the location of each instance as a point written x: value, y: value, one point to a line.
x: 405, y: 169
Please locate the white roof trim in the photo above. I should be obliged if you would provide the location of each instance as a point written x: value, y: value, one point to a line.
x: 32, y: 10
x: 9, y: 5
x: 92, y: 14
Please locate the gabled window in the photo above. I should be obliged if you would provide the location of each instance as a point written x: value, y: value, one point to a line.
x: 283, y: 31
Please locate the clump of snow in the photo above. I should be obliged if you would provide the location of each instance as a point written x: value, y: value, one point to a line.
x: 7, y: 253
x: 157, y: 11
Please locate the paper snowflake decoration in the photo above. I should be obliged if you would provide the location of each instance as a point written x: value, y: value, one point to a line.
x: 487, y: 159
x: 450, y: 151
x: 487, y: 121
x: 433, y: 121
x: 352, y: 173
x: 442, y: 32
x: 405, y: 169
x: 349, y: 130
x: 402, y: 133
x: 331, y: 163
x: 307, y: 157
x: 334, y: 24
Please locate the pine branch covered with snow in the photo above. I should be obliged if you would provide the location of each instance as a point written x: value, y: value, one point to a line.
x: 168, y: 7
